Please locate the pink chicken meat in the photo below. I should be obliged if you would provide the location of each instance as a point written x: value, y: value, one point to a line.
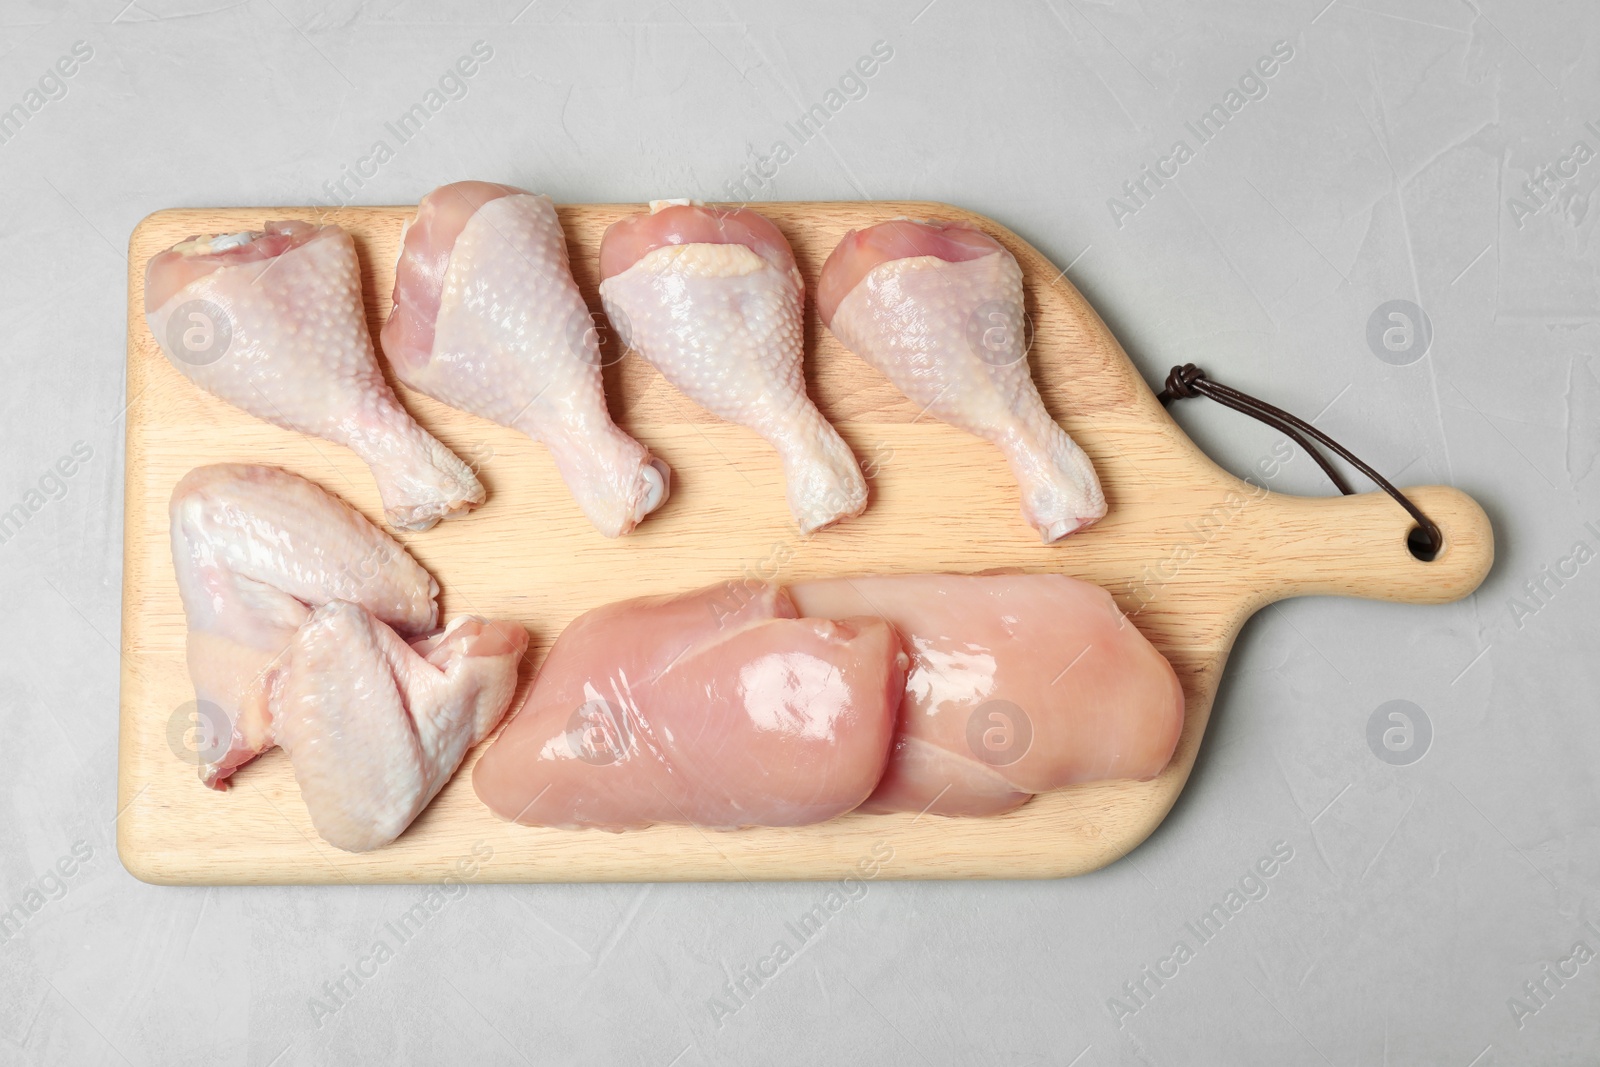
x: 713, y: 299
x: 272, y: 322
x: 743, y: 705
x: 1019, y: 684
x: 938, y: 308
x: 487, y: 318
x: 719, y: 708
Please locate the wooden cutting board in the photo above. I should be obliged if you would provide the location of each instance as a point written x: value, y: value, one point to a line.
x: 1189, y: 551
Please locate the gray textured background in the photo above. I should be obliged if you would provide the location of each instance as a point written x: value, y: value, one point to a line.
x: 1381, y: 164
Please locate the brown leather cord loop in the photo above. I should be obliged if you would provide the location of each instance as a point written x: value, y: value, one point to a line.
x: 1189, y: 380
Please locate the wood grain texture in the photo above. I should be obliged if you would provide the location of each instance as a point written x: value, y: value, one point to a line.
x: 1188, y: 550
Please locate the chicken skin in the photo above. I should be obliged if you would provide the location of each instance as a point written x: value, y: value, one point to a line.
x: 488, y: 319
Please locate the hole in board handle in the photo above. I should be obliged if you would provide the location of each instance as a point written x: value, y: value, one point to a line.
x: 1421, y: 545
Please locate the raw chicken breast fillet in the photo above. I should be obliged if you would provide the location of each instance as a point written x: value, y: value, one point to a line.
x: 487, y: 318
x: 938, y: 308
x: 273, y: 323
x: 719, y: 708
x: 1019, y: 684
x: 713, y: 299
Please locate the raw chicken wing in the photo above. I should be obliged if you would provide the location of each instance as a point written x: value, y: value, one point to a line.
x: 309, y: 627
x: 375, y: 727
x: 255, y: 549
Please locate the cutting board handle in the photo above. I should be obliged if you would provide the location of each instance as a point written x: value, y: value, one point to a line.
x: 1356, y: 546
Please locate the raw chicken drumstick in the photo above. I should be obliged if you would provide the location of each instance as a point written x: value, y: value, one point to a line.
x: 937, y: 307
x: 272, y: 322
x: 488, y: 319
x: 713, y: 299
x: 308, y: 628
